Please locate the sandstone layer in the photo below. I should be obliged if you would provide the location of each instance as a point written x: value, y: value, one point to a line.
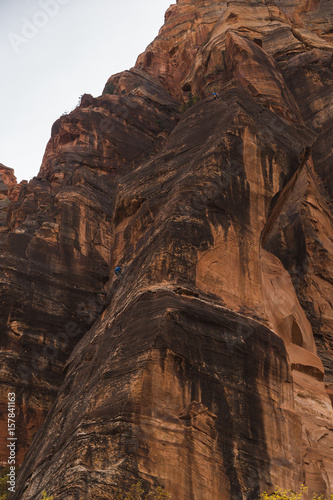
x: 9, y: 191
x: 207, y: 365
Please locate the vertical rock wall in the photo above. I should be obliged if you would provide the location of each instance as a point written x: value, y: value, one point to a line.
x: 206, y: 366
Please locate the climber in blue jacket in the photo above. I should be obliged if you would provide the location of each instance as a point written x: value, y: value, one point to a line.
x: 118, y: 271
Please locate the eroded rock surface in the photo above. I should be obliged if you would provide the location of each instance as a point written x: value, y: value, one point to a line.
x: 9, y: 191
x: 206, y: 366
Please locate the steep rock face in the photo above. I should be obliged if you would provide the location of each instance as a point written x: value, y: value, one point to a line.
x: 189, y: 53
x: 8, y: 180
x: 200, y: 371
x: 310, y: 219
x: 55, y: 251
x: 9, y: 191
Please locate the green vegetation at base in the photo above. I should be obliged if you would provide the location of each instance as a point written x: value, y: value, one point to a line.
x: 46, y: 497
x: 3, y: 483
x: 137, y: 493
x: 280, y: 494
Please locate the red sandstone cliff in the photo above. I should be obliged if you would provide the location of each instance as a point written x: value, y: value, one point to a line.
x: 207, y: 366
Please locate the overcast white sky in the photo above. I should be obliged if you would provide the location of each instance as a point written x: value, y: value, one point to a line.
x: 52, y: 52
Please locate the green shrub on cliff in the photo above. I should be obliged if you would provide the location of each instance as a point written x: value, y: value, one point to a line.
x: 3, y: 483
x: 280, y: 494
x: 137, y: 493
x: 110, y: 88
x: 46, y: 497
x: 158, y: 494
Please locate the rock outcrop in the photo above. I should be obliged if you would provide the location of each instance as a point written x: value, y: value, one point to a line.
x: 9, y: 191
x: 206, y: 366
